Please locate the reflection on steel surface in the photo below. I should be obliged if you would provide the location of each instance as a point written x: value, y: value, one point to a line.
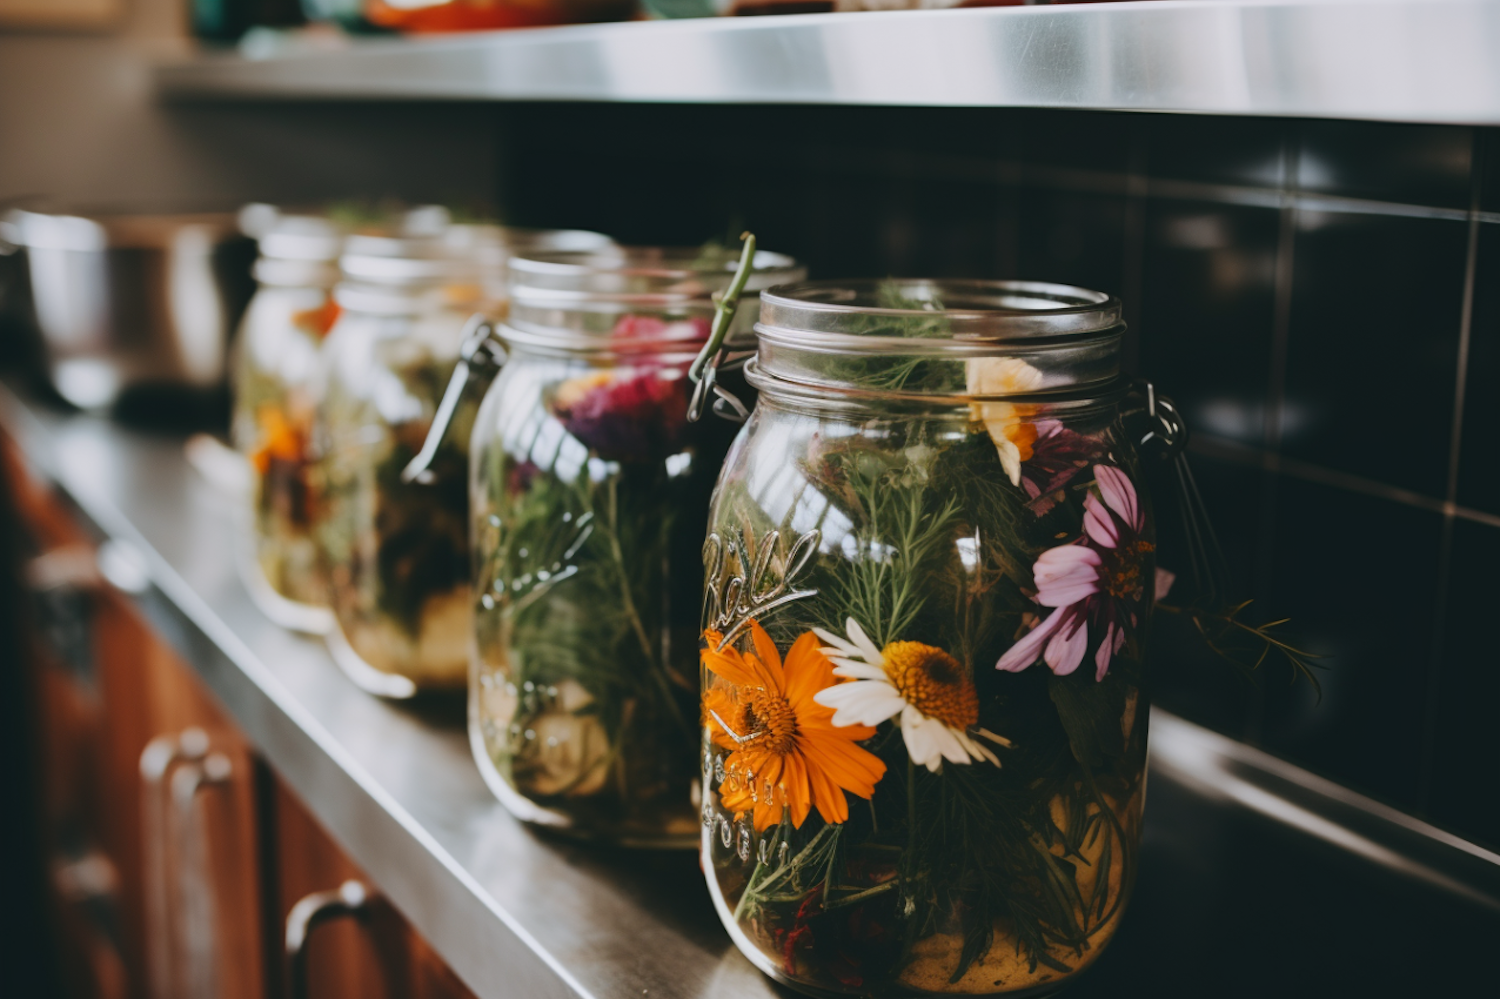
x: 1401, y: 60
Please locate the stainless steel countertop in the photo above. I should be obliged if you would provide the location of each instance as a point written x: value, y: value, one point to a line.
x: 1393, y: 60
x: 1242, y: 852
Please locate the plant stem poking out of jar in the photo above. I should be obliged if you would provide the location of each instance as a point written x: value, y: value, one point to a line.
x: 934, y: 483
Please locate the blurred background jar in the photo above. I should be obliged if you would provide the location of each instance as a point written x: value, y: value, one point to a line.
x: 275, y: 405
x: 396, y: 552
x: 475, y: 15
x: 590, y: 490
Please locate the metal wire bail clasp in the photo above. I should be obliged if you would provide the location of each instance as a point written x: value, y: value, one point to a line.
x: 480, y: 357
x: 1167, y: 427
x: 714, y: 357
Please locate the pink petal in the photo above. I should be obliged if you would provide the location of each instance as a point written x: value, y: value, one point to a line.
x: 1106, y: 650
x: 1118, y: 492
x: 1164, y: 580
x: 1047, y: 428
x: 1067, y: 647
x: 1028, y: 649
x: 1100, y: 523
x: 1066, y: 575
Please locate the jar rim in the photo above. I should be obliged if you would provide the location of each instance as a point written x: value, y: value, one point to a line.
x: 777, y: 387
x: 871, y: 316
x: 639, y: 276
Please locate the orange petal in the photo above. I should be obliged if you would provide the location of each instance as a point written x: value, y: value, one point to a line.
x: 794, y: 783
x: 733, y: 667
x: 807, y: 672
x: 766, y: 650
x: 832, y: 804
x: 858, y: 770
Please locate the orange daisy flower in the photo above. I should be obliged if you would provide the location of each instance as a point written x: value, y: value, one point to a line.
x: 784, y: 750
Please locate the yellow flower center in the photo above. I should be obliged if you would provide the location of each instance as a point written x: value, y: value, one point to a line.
x: 933, y: 682
x: 1122, y: 569
x: 766, y: 721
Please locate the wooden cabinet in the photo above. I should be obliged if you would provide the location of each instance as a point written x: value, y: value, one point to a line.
x: 175, y: 854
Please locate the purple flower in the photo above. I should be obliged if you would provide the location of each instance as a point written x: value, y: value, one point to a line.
x: 632, y: 415
x: 1095, y: 583
x: 1057, y: 456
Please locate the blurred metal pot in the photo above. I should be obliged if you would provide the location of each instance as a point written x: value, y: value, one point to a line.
x: 133, y: 300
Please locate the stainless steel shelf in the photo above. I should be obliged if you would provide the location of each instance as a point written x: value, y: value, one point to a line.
x: 1231, y: 835
x: 1396, y: 60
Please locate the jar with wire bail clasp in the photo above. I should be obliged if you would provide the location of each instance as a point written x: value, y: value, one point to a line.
x: 930, y: 567
x: 589, y: 493
x: 396, y: 551
x: 275, y: 404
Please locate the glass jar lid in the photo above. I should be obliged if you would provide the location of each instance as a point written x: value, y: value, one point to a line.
x: 927, y: 337
x: 299, y: 251
x: 630, y: 297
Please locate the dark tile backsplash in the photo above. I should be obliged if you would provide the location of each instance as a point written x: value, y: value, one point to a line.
x: 1319, y: 297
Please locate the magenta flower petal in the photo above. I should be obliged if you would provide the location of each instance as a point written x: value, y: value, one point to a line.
x: 1164, y: 580
x: 1066, y: 575
x: 1067, y: 647
x: 1099, y: 523
x: 1119, y: 494
x: 1029, y: 648
x: 1114, y: 637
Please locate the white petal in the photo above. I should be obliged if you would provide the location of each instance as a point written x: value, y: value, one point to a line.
x: 998, y: 740
x: 920, y: 744
x: 859, y: 671
x: 862, y: 641
x: 947, y: 740
x: 838, y: 645
x: 1010, y: 455
x: 865, y: 702
x: 974, y: 749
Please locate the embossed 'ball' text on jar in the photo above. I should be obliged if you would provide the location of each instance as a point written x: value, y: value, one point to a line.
x: 589, y: 494
x: 930, y: 566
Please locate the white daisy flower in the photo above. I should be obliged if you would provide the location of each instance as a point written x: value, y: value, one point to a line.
x: 926, y: 686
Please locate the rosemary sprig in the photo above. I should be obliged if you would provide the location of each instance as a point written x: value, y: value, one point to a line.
x: 1247, y: 646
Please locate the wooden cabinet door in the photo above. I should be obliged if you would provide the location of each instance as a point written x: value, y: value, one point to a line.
x: 374, y: 955
x: 106, y: 687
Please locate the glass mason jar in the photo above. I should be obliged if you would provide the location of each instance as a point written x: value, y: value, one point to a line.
x: 929, y: 573
x: 589, y: 492
x: 275, y: 402
x: 396, y: 552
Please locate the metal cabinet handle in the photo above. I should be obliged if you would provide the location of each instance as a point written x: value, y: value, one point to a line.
x: 352, y: 898
x: 159, y: 758
x: 196, y: 922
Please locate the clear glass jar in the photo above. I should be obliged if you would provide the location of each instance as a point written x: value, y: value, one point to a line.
x: 929, y: 572
x: 275, y: 403
x: 395, y: 552
x: 590, y: 490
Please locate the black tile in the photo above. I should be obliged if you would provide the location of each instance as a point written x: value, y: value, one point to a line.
x: 1207, y: 311
x: 1357, y: 575
x: 1213, y: 150
x: 1479, y: 463
x: 1099, y: 141
x: 1187, y: 677
x: 1373, y: 346
x: 1489, y: 167
x: 1072, y: 239
x: 1464, y: 780
x: 1410, y: 164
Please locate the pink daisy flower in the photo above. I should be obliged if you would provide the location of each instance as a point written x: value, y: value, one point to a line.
x: 1096, y: 584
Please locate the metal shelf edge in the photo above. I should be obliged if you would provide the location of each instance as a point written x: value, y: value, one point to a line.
x: 1397, y: 60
